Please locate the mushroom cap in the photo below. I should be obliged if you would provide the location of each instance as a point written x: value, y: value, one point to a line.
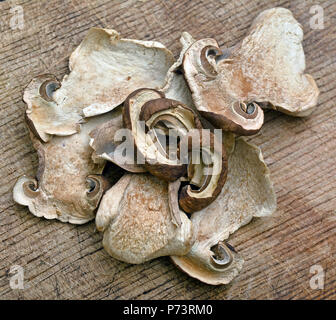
x: 266, y: 68
x: 137, y: 222
x: 105, y: 69
x: 69, y: 185
x: 248, y: 192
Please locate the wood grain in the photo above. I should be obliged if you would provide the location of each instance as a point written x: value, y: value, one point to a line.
x: 62, y: 261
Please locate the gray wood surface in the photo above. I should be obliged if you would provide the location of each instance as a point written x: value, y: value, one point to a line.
x: 63, y: 261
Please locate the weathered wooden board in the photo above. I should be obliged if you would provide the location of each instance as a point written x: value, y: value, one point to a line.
x: 64, y: 261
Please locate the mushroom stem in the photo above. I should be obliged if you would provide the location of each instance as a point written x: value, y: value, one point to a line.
x: 222, y: 255
x: 25, y: 190
x: 97, y: 185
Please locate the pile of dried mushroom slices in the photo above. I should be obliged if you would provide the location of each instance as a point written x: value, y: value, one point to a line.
x: 182, y: 179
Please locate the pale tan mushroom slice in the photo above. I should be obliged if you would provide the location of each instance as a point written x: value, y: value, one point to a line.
x: 44, y: 115
x: 248, y: 192
x: 222, y: 108
x: 69, y: 185
x: 137, y: 223
x: 265, y: 70
x: 156, y: 125
x: 176, y: 87
x: 105, y: 69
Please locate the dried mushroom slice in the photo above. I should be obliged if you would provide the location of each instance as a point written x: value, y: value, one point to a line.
x: 105, y: 69
x: 266, y: 69
x: 248, y: 192
x: 207, y: 170
x: 69, y: 185
x: 213, y: 264
x: 137, y: 223
x: 214, y: 102
x: 156, y: 123
x: 270, y: 62
x: 109, y: 142
x: 44, y: 115
x: 167, y: 122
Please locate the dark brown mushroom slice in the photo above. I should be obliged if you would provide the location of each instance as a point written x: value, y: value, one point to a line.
x: 167, y: 121
x: 153, y: 120
x: 206, y: 178
x: 134, y: 103
x: 107, y: 141
x: 131, y: 111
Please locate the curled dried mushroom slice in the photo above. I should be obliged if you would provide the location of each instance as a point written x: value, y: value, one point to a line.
x: 48, y: 87
x: 26, y: 188
x: 207, y: 170
x: 105, y: 69
x: 69, y: 185
x: 216, y: 265
x: 222, y: 255
x: 208, y: 61
x: 137, y: 222
x: 270, y: 62
x: 152, y: 119
x: 96, y: 186
x: 248, y: 192
x: 166, y: 121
